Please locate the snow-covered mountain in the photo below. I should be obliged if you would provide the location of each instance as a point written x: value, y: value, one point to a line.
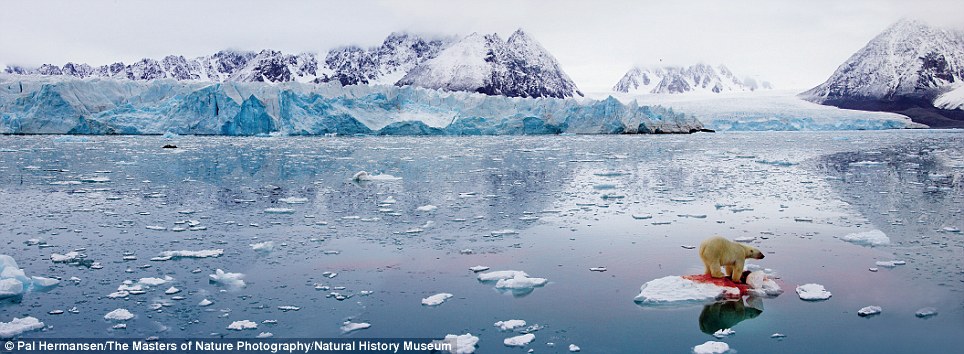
x: 384, y: 64
x: 677, y: 79
x: 903, y: 69
x: 518, y: 67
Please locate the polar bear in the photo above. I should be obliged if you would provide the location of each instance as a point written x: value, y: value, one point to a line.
x: 719, y: 252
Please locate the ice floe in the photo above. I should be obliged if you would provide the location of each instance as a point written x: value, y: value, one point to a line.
x: 263, y: 247
x: 812, y: 292
x: 279, y: 211
x: 501, y: 274
x: 461, y: 344
x: 242, y: 325
x: 520, y: 282
x: 574, y: 348
x: 436, y: 299
x: 479, y: 268
x: 65, y: 258
x: 869, y: 311
x: 349, y: 326
x: 427, y: 208
x: 509, y: 325
x: 18, y: 326
x: 119, y: 315
x: 14, y: 282
x: 889, y: 264
x: 711, y: 347
x: 520, y: 340
x: 228, y: 279
x: 361, y: 176
x: 192, y: 254
x: 671, y: 290
x: 723, y: 333
x: 926, y: 312
x: 293, y: 200
x: 867, y: 238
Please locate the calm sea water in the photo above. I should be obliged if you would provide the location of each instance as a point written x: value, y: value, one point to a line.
x: 550, y: 206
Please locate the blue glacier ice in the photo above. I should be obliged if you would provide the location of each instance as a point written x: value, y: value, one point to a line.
x: 60, y: 105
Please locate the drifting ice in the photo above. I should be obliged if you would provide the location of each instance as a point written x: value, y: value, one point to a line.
x: 461, y: 344
x: 19, y: 325
x: 711, y: 347
x: 510, y: 324
x: 675, y: 289
x: 519, y: 341
x: 436, y: 299
x: 867, y: 238
x: 229, y: 279
x: 812, y: 292
x: 119, y: 315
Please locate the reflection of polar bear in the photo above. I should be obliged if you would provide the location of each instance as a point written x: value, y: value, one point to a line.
x: 719, y: 252
x: 727, y: 314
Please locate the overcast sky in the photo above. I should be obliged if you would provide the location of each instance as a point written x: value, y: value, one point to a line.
x: 793, y: 44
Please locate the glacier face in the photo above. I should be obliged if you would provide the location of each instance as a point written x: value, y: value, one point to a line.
x: 768, y: 110
x: 677, y: 79
x: 60, y: 105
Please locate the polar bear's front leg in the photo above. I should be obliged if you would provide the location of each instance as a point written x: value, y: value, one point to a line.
x: 737, y: 271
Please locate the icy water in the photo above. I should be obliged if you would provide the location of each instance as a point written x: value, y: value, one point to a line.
x: 553, y: 207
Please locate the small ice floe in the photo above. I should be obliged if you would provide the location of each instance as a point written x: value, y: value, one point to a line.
x: 18, y: 326
x: 778, y: 336
x: 205, y: 303
x: 812, y: 292
x: 926, y: 312
x: 66, y: 258
x: 869, y: 311
x: 466, y: 251
x: 889, y: 264
x: 171, y: 291
x: 574, y: 348
x: 349, y: 326
x: 682, y: 199
x: 155, y: 228
x: 427, y: 208
x: 802, y: 219
x: 242, y: 325
x: 119, y: 315
x: 265, y: 335
x: 867, y: 238
x: 711, y: 347
x: 598, y: 269
x: 436, y: 299
x: 263, y: 247
x: 229, y: 279
x: 866, y: 163
x: 723, y: 333
x: 745, y: 239
x: 519, y: 341
x: 676, y: 290
x: 510, y: 324
x: 950, y: 229
x: 192, y: 254
x: 119, y: 326
x: 279, y: 211
x: 520, y: 282
x: 293, y: 200
x: 461, y: 344
x: 362, y: 176
x: 501, y: 274
x: 286, y: 308
x: 642, y: 216
x: 504, y: 232
x: 479, y: 268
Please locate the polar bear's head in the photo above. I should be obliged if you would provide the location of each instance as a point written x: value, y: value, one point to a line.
x: 752, y: 252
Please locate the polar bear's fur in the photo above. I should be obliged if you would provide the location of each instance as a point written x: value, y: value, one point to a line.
x: 719, y: 252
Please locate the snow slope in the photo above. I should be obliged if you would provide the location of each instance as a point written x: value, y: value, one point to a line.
x: 66, y: 105
x: 768, y: 110
x: 675, y: 79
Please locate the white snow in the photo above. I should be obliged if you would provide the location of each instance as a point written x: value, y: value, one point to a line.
x: 18, y: 326
x: 519, y: 341
x: 461, y: 344
x: 349, y: 326
x: 953, y: 99
x: 869, y: 311
x: 193, y: 254
x: 889, y: 264
x: 509, y: 325
x: 520, y: 282
x: 867, y: 238
x: 65, y: 258
x: 436, y: 299
x: 711, y: 347
x: 242, y: 325
x: 726, y: 332
x: 574, y: 348
x: 501, y: 274
x: 119, y: 315
x: 673, y: 289
x: 229, y: 279
x: 812, y: 292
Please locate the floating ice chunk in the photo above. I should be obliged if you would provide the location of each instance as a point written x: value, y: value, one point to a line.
x: 152, y: 281
x: 519, y: 341
x: 436, y: 299
x: 279, y: 211
x: 205, y: 303
x: 267, y: 246
x: 18, y: 326
x: 889, y: 264
x: 479, y: 268
x: 869, y: 311
x: 745, y: 239
x: 682, y: 199
x: 926, y: 312
x: 265, y: 335
x: 427, y: 208
x: 287, y: 308
x: 242, y: 325
x: 778, y: 335
x: 461, y: 344
x: 501, y: 274
x: 43, y: 282
x: 761, y: 285
x: 510, y: 324
x: 867, y: 238
x: 504, y: 232
x: 866, y: 163
x: 229, y: 279
x: 155, y: 228
x: 711, y: 347
x: 11, y: 287
x: 812, y: 292
x: 119, y: 315
x: 672, y: 290
x: 642, y: 216
x: 192, y: 254
x: 293, y: 200
x: 349, y: 326
x: 365, y: 176
x: 171, y: 291
x: 598, y: 269
x: 389, y: 200
x: 520, y: 282
x: 723, y: 333
x: 689, y: 247
x: 574, y: 348
x: 65, y: 258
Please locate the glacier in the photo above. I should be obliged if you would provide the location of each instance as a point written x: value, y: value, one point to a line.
x: 66, y: 105
x: 773, y: 110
